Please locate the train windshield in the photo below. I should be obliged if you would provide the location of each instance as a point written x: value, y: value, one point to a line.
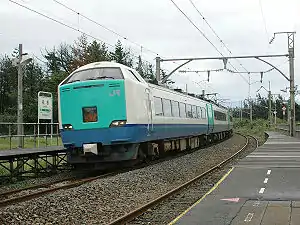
x: 96, y: 74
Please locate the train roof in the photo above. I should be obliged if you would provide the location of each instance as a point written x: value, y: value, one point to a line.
x: 100, y: 64
x: 190, y: 95
x: 177, y: 91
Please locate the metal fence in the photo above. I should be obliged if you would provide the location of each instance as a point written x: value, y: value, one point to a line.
x: 34, y: 135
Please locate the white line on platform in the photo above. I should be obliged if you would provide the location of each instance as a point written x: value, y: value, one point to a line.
x: 256, y: 203
x: 269, y: 172
x: 249, y: 217
x: 261, y: 190
x: 266, y: 180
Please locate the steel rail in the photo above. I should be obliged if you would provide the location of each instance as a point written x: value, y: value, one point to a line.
x: 137, y: 212
x: 23, y: 198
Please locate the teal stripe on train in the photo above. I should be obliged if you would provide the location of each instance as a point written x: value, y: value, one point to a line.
x: 107, y: 95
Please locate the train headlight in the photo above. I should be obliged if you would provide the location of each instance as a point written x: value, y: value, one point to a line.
x: 117, y: 123
x: 67, y: 126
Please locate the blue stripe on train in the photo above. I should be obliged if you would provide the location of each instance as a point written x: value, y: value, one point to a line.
x: 133, y: 133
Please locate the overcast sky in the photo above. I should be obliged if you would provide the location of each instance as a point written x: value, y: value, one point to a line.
x: 159, y: 26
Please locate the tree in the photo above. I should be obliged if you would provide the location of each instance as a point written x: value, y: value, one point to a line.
x: 33, y: 82
x: 8, y: 88
x: 121, y: 56
x: 60, y: 59
x: 96, y: 52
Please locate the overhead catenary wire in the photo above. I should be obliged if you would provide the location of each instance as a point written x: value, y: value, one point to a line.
x: 206, y: 37
x: 213, y: 30
x: 66, y: 25
x: 104, y: 27
x: 264, y: 19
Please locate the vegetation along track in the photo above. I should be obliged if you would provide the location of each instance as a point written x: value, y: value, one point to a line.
x: 165, y: 208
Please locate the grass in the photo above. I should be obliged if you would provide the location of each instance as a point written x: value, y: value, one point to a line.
x: 29, y: 142
x: 255, y: 128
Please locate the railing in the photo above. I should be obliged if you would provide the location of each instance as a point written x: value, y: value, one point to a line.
x: 34, y: 135
x: 285, y: 128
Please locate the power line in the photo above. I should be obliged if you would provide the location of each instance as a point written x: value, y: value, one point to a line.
x: 264, y: 20
x: 196, y: 27
x: 57, y: 21
x: 106, y: 28
x: 222, y: 42
x: 205, y: 37
x: 66, y: 25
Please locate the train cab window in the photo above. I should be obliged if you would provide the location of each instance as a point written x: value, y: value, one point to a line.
x: 189, y: 111
x: 175, y: 109
x: 134, y: 75
x: 167, y: 107
x: 100, y: 73
x: 158, y: 106
x: 199, y: 112
x: 194, y: 111
x: 182, y: 110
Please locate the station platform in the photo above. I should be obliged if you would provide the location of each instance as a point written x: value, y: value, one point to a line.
x: 16, y: 163
x: 5, y: 154
x: 262, y: 189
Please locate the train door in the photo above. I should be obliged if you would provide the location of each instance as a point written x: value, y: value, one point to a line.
x: 210, y: 117
x: 149, y: 111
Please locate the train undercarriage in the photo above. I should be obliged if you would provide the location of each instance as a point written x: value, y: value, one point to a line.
x: 98, y: 157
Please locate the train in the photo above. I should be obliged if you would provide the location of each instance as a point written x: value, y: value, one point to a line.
x: 109, y: 114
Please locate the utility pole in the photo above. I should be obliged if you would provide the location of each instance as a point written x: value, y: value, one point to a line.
x: 157, y: 72
x: 20, y: 98
x: 292, y: 83
x: 249, y: 98
x: 270, y: 105
x: 291, y: 55
x: 241, y: 112
x: 19, y: 62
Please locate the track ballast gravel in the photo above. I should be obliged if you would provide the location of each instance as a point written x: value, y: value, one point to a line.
x: 169, y: 209
x: 103, y: 200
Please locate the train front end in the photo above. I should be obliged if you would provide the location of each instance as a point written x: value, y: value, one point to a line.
x: 92, y: 113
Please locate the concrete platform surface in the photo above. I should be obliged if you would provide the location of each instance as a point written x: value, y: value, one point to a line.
x: 29, y: 151
x: 263, y: 189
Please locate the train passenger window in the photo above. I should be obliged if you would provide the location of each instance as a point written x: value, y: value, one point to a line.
x: 189, y: 111
x: 203, y: 113
x: 199, y: 112
x: 96, y: 74
x: 194, y: 111
x: 175, y: 109
x: 182, y: 110
x: 167, y: 107
x: 220, y: 116
x: 158, y: 106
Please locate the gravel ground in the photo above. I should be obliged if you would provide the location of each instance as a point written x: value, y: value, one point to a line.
x: 35, y: 181
x: 172, y: 207
x: 106, y: 199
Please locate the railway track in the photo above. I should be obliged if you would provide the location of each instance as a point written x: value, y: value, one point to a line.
x: 35, y: 191
x: 180, y: 197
